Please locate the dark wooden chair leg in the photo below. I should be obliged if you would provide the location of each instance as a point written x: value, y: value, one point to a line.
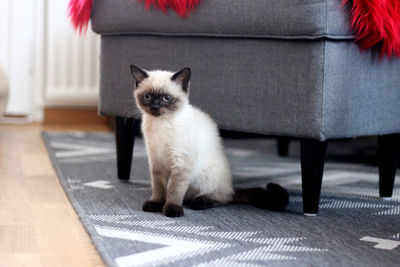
x: 283, y: 145
x: 312, y: 168
x: 125, y: 131
x: 388, y: 146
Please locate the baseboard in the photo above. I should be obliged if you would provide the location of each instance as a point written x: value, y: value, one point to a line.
x: 69, y: 116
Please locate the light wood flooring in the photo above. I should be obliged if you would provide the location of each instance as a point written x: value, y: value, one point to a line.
x: 38, y: 226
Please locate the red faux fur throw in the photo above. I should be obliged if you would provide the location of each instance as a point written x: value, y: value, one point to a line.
x: 376, y: 22
x: 182, y: 7
x: 79, y: 10
x: 79, y: 13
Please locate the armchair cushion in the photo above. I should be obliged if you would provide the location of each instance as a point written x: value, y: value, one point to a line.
x: 281, y: 19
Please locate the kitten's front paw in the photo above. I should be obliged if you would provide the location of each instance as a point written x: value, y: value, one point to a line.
x: 152, y: 206
x: 171, y: 210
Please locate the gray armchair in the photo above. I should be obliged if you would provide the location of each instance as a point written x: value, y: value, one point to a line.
x: 276, y: 67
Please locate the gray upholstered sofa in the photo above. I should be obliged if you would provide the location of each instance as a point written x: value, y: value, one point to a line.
x: 277, y: 67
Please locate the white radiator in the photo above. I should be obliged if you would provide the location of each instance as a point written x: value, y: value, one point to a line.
x: 72, y: 61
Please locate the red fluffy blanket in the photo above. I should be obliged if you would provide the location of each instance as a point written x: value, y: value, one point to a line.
x: 376, y: 22
x: 79, y: 10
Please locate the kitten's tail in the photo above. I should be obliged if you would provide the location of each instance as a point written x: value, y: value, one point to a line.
x: 275, y: 197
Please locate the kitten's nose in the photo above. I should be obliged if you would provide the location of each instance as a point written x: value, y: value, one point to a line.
x: 155, y: 108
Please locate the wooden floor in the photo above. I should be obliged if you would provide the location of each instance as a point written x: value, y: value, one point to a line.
x: 38, y: 226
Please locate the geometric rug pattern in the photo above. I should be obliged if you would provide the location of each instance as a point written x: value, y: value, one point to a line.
x: 353, y: 228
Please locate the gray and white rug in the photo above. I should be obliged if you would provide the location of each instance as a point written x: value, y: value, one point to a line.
x: 353, y: 228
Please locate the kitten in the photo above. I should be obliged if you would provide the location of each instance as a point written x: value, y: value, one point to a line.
x: 186, y: 156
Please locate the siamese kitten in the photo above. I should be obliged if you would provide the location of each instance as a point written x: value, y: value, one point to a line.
x: 186, y: 156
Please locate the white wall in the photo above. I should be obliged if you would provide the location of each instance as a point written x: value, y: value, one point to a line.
x: 49, y: 64
x: 16, y: 52
x: 72, y: 61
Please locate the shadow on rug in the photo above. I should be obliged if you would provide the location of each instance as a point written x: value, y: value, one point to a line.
x: 354, y: 227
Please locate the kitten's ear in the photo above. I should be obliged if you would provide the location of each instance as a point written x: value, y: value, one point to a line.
x: 183, y: 77
x: 138, y: 74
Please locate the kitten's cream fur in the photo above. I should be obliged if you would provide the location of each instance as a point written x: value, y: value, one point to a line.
x: 186, y: 156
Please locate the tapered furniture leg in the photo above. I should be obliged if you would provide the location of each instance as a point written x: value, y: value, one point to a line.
x: 125, y: 130
x: 388, y: 146
x: 283, y: 146
x: 312, y: 168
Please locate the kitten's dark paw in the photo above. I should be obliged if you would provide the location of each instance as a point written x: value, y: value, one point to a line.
x: 274, y: 187
x: 202, y: 203
x: 152, y: 206
x: 171, y: 210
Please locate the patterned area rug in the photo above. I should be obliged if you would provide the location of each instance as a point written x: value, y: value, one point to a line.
x: 353, y: 228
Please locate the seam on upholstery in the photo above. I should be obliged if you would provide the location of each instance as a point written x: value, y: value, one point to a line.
x: 321, y: 132
x: 326, y: 16
x: 229, y: 35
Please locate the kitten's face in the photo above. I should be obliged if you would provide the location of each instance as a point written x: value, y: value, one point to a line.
x: 159, y: 93
x: 157, y: 102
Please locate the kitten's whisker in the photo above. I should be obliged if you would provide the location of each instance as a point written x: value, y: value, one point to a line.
x: 136, y: 114
x: 127, y: 110
x: 133, y: 113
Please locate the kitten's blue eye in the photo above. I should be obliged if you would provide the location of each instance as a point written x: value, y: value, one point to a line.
x: 147, y: 97
x: 166, y: 98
